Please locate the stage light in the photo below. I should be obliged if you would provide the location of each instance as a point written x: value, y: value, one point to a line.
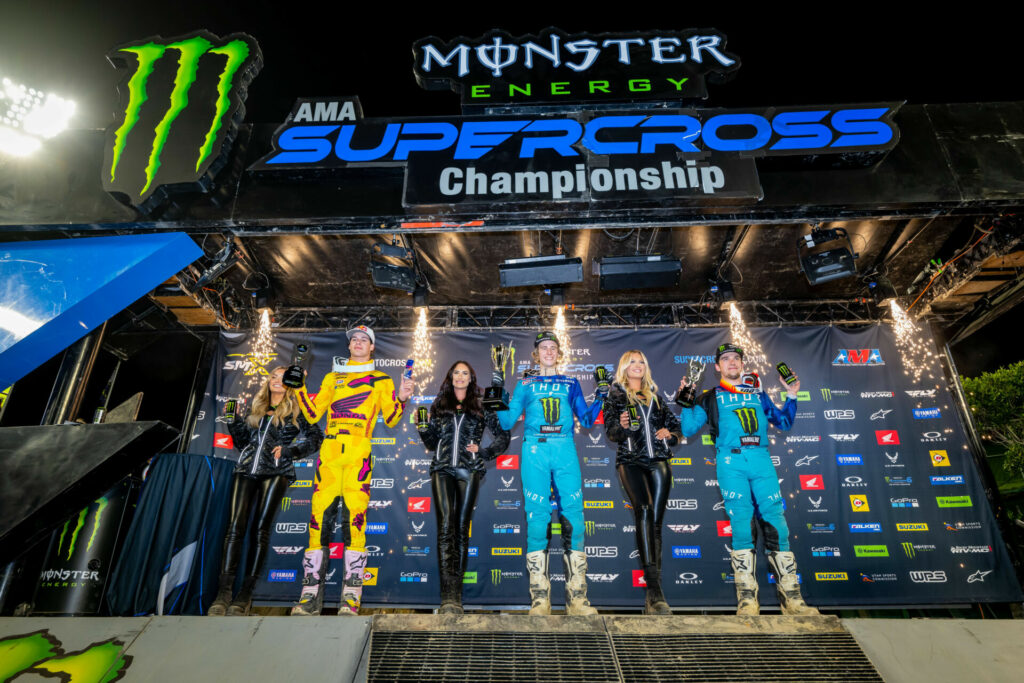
x: 722, y: 290
x: 28, y: 116
x: 825, y: 255
x: 882, y: 291
x: 650, y: 271
x: 419, y: 296
x: 389, y: 276
x: 540, y: 270
x: 393, y: 250
x: 557, y: 295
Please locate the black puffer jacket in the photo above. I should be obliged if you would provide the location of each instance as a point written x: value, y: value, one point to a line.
x: 641, y: 444
x: 447, y: 436
x: 256, y: 446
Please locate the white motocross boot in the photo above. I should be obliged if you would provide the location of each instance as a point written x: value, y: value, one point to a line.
x: 787, y: 585
x: 743, y: 564
x: 540, y: 587
x: 576, y: 603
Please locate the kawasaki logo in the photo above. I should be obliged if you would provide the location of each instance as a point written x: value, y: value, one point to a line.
x: 192, y: 87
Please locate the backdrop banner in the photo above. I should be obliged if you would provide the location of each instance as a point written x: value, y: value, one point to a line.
x: 884, y: 502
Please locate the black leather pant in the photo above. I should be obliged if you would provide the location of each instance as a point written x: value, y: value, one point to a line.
x: 454, y: 499
x: 647, y: 484
x: 265, y: 493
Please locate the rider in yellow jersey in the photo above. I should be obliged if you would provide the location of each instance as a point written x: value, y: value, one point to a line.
x: 352, y: 396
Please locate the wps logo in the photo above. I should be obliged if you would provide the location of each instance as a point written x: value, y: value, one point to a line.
x: 812, y: 482
x: 928, y: 576
x: 887, y: 437
x: 419, y: 504
x: 508, y: 462
x: 602, y: 551
x: 223, y: 441
x: 859, y: 503
x: 681, y: 504
x: 291, y: 527
x: 552, y: 406
x: 839, y: 414
x: 188, y: 90
x: 747, y: 418
x: 858, y: 357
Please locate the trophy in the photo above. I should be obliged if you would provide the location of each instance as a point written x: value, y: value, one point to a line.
x: 495, y: 396
x: 295, y: 376
x: 687, y: 396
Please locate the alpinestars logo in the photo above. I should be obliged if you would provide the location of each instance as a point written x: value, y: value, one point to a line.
x: 195, y: 102
x: 806, y: 460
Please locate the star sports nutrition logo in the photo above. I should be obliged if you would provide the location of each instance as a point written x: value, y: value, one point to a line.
x: 181, y: 105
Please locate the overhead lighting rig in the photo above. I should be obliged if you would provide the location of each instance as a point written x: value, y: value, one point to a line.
x: 29, y: 116
x: 641, y: 271
x: 540, y: 270
x: 403, y: 276
x: 825, y: 254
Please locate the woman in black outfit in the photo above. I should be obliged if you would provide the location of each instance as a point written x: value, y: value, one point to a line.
x: 455, y: 429
x: 642, y: 462
x: 273, y: 435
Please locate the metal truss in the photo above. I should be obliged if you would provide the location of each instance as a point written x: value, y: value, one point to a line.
x: 680, y: 314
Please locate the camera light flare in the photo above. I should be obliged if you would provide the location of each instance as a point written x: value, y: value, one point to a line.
x: 422, y: 353
x: 754, y: 355
x: 919, y: 360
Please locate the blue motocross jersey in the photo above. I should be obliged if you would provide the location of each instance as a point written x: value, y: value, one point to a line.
x: 739, y: 419
x: 550, y: 403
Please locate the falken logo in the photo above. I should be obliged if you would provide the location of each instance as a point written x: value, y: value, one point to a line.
x: 685, y: 551
x: 806, y: 460
x: 681, y: 504
x: 601, y: 551
x: 418, y: 484
x: 880, y: 414
x: 887, y: 437
x: 830, y: 576
x: 291, y: 527
x: 927, y: 413
x: 201, y: 104
x: 838, y: 414
x: 911, y: 526
x: 600, y: 504
x: 858, y: 357
x: 868, y: 528
x: 853, y: 459
x: 680, y: 528
x: 421, y: 504
x: 508, y: 462
x: 921, y: 393
x: 928, y: 576
x: 979, y: 576
x: 844, y: 438
x: 506, y: 551
x: 877, y: 394
x: 947, y: 480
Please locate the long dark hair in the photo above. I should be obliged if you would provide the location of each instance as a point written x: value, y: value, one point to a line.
x: 444, y: 404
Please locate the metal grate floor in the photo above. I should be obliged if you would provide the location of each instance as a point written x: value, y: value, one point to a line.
x: 427, y: 656
x: 749, y: 657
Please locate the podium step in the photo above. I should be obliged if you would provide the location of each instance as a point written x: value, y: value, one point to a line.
x: 428, y: 648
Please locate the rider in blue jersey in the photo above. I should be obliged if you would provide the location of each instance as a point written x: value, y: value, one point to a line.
x: 738, y: 412
x: 549, y: 401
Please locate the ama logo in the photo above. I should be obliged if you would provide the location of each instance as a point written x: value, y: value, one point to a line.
x: 858, y: 357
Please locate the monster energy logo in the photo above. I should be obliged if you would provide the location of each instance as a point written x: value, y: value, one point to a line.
x: 908, y: 549
x: 79, y: 525
x: 42, y: 654
x: 286, y: 503
x: 552, y: 406
x: 748, y: 419
x: 826, y: 394
x: 589, y: 528
x: 495, y: 577
x: 236, y: 58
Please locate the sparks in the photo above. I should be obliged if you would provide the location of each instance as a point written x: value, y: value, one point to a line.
x: 754, y: 353
x: 261, y: 354
x: 563, y: 341
x: 422, y: 353
x: 916, y: 352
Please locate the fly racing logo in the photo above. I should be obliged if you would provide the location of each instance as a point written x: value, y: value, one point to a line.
x: 552, y: 406
x: 806, y: 460
x: 880, y: 414
x: 979, y: 576
x: 844, y: 438
x: 748, y: 419
x: 683, y: 528
x: 921, y: 393
x: 601, y: 578
x: 288, y: 549
x: 193, y: 86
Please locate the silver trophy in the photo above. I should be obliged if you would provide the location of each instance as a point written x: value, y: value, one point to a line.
x: 495, y: 396
x: 687, y: 396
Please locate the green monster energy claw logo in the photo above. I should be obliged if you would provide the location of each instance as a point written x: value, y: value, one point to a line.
x: 495, y: 577
x: 908, y: 549
x: 552, y: 406
x: 286, y: 503
x: 748, y: 419
x: 79, y: 525
x: 826, y: 394
x: 588, y: 528
x: 235, y: 59
x: 42, y: 654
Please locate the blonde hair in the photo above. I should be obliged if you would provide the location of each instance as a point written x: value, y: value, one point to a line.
x: 648, y: 389
x: 287, y: 409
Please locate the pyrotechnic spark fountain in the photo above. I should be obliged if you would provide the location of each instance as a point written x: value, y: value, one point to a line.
x: 755, y: 356
x: 563, y: 340
x: 260, y: 355
x: 422, y: 353
x: 919, y: 360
